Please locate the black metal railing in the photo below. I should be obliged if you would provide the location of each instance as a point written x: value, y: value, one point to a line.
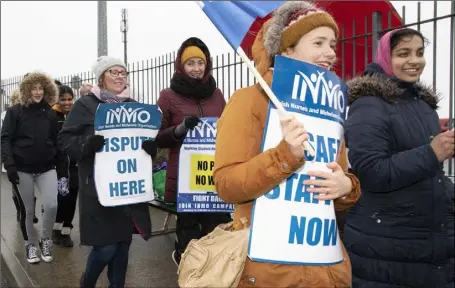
x: 148, y: 77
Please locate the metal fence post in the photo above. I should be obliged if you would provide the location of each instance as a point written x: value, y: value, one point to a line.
x: 376, y: 29
x: 451, y: 81
x: 2, y: 91
x: 102, y: 28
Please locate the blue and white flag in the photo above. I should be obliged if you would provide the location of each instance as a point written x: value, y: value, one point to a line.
x: 234, y: 18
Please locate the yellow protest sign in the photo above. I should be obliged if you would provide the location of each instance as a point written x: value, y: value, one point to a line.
x: 201, y: 172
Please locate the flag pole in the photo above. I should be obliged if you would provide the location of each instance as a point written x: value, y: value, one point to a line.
x: 262, y: 82
x: 269, y: 92
x: 265, y: 87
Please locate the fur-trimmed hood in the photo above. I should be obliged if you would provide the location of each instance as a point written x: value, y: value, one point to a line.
x: 375, y: 82
x: 50, y: 88
x: 261, y: 56
x: 15, y: 97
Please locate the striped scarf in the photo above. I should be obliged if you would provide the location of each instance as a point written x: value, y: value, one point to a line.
x: 109, y: 97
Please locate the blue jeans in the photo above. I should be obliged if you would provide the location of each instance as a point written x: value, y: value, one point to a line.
x: 115, y: 257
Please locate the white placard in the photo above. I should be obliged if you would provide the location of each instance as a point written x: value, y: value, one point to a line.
x: 123, y: 169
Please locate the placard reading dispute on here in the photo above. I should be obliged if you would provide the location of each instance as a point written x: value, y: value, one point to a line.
x: 123, y: 169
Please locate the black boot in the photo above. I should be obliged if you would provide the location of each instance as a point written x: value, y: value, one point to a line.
x: 56, y: 236
x: 66, y: 241
x: 18, y: 209
x: 35, y: 219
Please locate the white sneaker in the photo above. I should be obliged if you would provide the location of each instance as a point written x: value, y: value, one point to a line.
x: 32, y: 255
x: 45, y: 246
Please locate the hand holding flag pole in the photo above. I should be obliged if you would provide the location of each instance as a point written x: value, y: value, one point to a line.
x: 233, y: 19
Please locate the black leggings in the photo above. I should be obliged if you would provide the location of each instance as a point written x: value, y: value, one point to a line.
x: 67, y: 204
x: 67, y: 207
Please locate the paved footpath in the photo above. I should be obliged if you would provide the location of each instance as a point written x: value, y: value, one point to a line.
x: 150, y: 263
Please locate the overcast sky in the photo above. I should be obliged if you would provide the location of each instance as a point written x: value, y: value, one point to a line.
x: 60, y: 37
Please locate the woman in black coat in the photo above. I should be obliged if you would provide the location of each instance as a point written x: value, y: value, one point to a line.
x: 30, y: 157
x: 15, y: 100
x: 401, y: 231
x: 67, y: 173
x: 108, y: 229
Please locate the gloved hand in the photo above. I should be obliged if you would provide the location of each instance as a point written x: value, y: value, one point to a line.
x: 13, y: 177
x: 191, y: 122
x: 93, y: 144
x: 62, y: 186
x: 149, y: 147
x: 187, y: 124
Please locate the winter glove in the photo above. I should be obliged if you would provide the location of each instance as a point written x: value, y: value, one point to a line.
x: 62, y: 186
x: 191, y: 122
x: 13, y: 177
x: 149, y: 147
x: 188, y: 124
x: 93, y: 144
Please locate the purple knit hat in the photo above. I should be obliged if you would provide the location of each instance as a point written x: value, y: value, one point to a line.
x: 384, y: 53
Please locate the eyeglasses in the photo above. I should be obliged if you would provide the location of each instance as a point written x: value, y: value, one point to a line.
x: 115, y: 73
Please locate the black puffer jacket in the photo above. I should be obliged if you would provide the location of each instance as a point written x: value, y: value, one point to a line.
x: 29, y: 131
x: 99, y: 225
x: 401, y: 231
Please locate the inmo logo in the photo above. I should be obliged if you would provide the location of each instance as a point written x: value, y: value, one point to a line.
x: 322, y: 92
x: 124, y: 115
x: 205, y: 129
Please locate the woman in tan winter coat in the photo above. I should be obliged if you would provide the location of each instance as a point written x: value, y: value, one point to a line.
x: 243, y: 173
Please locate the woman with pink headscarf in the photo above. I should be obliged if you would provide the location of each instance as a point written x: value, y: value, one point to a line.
x: 401, y: 231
